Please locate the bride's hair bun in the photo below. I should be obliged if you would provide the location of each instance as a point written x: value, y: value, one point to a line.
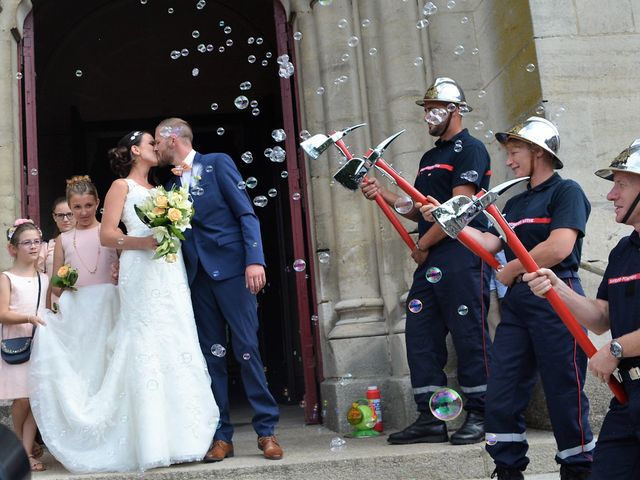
x: 120, y: 157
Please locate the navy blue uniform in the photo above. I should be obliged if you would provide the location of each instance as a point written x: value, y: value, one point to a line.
x: 617, y: 453
x: 532, y: 338
x: 457, y: 302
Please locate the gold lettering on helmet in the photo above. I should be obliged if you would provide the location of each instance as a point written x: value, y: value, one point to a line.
x: 621, y: 159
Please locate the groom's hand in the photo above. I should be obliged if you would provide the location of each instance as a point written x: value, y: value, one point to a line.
x: 255, y: 278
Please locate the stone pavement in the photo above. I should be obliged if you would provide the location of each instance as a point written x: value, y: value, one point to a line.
x: 308, y: 456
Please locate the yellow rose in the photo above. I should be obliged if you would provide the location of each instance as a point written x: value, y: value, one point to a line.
x: 161, y: 201
x: 174, y: 214
x: 158, y: 211
x: 170, y: 258
x: 63, y: 271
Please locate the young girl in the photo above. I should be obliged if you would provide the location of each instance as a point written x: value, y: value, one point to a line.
x: 80, y: 247
x: 22, y: 302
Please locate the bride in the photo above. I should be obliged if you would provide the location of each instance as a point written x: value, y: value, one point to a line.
x: 144, y: 399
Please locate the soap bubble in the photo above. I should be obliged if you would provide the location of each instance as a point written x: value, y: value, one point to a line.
x: 415, y: 306
x: 247, y: 157
x: 445, y: 404
x: 422, y: 23
x: 429, y: 9
x: 530, y: 67
x: 463, y: 310
x: 241, y: 102
x: 459, y: 50
x: 297, y: 36
x: 304, y: 134
x: 299, y: 265
x: 353, y: 41
x: 337, y: 444
x: 278, y: 135
x: 403, y: 205
x: 433, y: 275
x: 260, y: 201
x: 218, y: 350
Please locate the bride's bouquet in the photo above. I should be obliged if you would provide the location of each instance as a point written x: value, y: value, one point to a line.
x: 65, y: 277
x: 168, y: 214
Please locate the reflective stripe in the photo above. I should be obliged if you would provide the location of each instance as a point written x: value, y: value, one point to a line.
x: 529, y: 220
x: 427, y: 389
x: 627, y: 278
x: 479, y: 388
x: 442, y: 166
x: 570, y: 452
x: 505, y: 437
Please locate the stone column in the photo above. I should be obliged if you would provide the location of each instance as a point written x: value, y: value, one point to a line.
x: 10, y: 159
x: 351, y: 308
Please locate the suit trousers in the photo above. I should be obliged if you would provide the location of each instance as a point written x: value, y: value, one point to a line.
x: 217, y: 303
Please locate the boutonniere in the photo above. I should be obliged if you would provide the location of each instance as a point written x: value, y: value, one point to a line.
x: 196, y: 174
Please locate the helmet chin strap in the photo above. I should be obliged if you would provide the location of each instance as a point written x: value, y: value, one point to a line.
x: 632, y: 207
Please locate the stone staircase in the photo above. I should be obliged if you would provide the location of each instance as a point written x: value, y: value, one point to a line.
x: 308, y: 456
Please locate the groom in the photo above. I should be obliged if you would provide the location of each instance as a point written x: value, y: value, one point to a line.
x: 225, y: 265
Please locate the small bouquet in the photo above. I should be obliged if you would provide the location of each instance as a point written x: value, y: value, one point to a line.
x: 168, y: 214
x: 65, y: 277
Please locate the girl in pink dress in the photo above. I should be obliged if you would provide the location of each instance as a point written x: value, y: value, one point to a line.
x: 20, y: 311
x: 80, y: 247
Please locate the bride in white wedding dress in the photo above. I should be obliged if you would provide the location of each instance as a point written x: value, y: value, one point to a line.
x: 124, y: 387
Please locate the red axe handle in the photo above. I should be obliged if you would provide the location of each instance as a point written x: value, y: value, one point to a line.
x: 554, y: 299
x: 463, y: 237
x: 386, y: 209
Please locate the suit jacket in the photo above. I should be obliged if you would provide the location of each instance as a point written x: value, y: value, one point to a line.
x: 225, y: 234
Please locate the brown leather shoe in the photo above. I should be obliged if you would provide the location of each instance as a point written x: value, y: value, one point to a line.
x: 270, y: 447
x: 218, y: 451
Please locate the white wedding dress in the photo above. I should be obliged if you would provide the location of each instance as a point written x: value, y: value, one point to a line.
x: 121, y: 385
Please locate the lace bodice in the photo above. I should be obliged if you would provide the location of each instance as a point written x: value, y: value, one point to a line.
x: 137, y: 194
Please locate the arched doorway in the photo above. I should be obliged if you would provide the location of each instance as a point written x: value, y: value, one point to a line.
x: 107, y: 67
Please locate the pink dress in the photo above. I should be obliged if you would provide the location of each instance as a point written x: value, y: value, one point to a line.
x: 93, y: 261
x: 24, y: 292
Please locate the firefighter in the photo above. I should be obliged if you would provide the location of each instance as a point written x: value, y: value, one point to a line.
x: 450, y: 290
x: 550, y: 219
x: 616, y: 307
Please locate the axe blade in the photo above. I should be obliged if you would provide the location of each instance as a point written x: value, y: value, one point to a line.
x: 352, y: 173
x: 316, y: 145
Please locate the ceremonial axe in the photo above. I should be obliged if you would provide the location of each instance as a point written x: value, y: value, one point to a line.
x: 457, y: 212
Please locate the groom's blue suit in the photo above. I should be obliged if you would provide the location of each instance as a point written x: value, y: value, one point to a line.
x: 223, y: 241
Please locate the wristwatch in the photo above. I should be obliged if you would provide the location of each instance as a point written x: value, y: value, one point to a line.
x: 616, y: 349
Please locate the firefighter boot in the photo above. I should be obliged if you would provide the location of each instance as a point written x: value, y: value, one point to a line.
x: 507, y: 474
x: 471, y: 431
x: 426, y: 429
x: 569, y: 472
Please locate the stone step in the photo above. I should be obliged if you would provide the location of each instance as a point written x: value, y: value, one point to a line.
x: 308, y: 456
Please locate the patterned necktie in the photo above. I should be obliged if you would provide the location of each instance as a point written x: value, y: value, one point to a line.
x: 180, y: 169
